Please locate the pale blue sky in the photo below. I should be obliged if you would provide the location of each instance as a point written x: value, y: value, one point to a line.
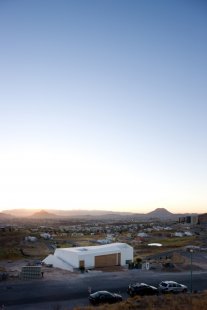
x: 103, y: 104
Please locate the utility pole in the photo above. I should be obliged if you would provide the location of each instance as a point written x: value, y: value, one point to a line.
x: 191, y: 271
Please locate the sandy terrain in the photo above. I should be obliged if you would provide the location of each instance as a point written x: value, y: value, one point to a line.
x: 13, y: 268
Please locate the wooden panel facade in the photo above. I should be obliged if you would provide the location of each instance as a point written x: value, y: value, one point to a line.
x: 107, y: 260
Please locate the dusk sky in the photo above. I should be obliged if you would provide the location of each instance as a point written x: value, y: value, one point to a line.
x: 103, y: 105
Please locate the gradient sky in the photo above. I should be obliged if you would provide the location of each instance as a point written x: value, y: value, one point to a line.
x: 103, y: 104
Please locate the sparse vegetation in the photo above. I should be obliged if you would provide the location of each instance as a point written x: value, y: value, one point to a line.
x: 178, y: 241
x: 13, y: 246
x: 162, y: 302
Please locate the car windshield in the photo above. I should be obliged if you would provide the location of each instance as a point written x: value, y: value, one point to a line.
x: 101, y: 293
x: 164, y: 284
x: 140, y: 284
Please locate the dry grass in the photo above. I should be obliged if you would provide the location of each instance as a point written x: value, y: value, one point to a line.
x: 177, y: 242
x: 36, y: 249
x: 162, y: 302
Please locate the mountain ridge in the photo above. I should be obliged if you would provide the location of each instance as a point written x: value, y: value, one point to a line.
x: 53, y: 213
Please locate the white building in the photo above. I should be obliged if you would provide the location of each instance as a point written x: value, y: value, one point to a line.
x: 113, y: 254
x: 103, y: 241
x: 179, y: 234
x: 142, y: 235
x: 31, y: 239
x: 188, y: 233
x: 45, y: 235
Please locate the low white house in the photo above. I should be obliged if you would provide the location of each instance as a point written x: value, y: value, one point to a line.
x: 31, y: 238
x: 188, y: 233
x: 178, y: 234
x: 142, y: 234
x: 103, y: 241
x: 113, y: 254
x: 45, y: 235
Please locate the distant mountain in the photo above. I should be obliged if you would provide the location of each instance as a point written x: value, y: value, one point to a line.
x: 21, y: 212
x: 5, y: 216
x: 77, y: 213
x: 161, y: 213
x: 43, y: 214
x: 63, y: 213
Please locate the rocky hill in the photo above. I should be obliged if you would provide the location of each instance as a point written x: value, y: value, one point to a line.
x: 43, y: 214
x: 161, y: 213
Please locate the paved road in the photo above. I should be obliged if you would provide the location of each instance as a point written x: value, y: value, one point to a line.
x: 73, y: 291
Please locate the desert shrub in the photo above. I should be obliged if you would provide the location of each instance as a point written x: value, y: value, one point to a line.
x: 162, y: 302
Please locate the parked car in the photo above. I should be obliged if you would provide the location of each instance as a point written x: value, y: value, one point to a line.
x: 142, y: 289
x: 172, y: 287
x: 102, y: 297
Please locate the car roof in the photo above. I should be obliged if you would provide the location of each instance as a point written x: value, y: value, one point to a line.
x: 102, y: 292
x: 169, y: 282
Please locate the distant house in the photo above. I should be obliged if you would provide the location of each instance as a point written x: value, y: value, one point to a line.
x: 190, y: 219
x: 109, y: 239
x: 142, y: 234
x: 137, y: 240
x: 103, y: 241
x: 45, y: 235
x: 202, y: 218
x: 194, y: 219
x: 77, y: 234
x: 31, y: 238
x: 113, y: 254
x: 188, y: 233
x: 167, y: 228
x: 178, y: 234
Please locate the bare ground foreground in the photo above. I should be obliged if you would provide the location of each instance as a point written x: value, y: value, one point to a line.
x: 13, y: 269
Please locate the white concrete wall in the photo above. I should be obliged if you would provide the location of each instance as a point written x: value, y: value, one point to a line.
x: 127, y: 253
x: 57, y: 263
x: 88, y: 258
x: 68, y: 256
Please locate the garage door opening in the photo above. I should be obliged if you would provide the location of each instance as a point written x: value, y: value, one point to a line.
x: 108, y: 260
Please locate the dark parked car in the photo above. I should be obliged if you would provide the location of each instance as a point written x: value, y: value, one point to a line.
x: 102, y: 297
x: 141, y: 289
x: 172, y: 287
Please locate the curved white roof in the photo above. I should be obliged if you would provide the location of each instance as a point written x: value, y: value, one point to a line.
x: 112, y: 247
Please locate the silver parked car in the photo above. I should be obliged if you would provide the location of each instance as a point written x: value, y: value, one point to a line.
x: 172, y: 287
